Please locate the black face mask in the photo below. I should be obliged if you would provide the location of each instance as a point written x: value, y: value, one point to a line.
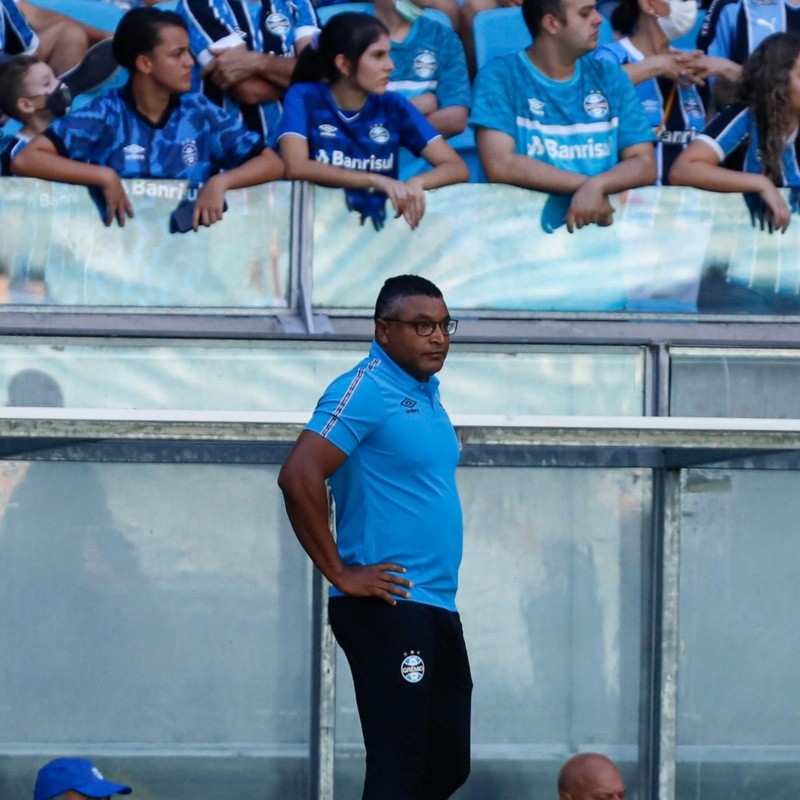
x: 58, y: 102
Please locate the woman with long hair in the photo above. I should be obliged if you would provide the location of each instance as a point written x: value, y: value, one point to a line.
x: 154, y: 127
x: 666, y: 79
x: 763, y: 123
x: 342, y: 128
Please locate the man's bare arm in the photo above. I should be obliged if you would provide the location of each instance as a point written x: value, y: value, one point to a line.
x: 302, y: 481
x: 503, y: 165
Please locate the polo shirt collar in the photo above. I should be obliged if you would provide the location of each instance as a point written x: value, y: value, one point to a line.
x: 399, y: 375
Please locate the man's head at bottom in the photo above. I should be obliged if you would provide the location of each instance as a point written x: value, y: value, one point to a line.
x: 74, y: 779
x: 590, y: 776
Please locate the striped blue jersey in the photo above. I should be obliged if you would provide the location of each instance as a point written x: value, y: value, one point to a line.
x: 431, y: 59
x: 687, y: 114
x: 396, y: 495
x: 16, y: 35
x: 734, y: 128
x: 368, y: 139
x: 734, y: 29
x: 265, y: 27
x: 8, y: 151
x: 196, y: 139
x: 579, y: 125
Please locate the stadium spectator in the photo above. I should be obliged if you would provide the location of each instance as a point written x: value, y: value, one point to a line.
x: 733, y: 29
x: 666, y: 79
x: 555, y: 119
x: 429, y: 65
x: 152, y: 128
x: 31, y: 94
x: 342, y: 128
x: 589, y: 776
x: 247, y: 51
x: 763, y: 122
x: 74, y: 779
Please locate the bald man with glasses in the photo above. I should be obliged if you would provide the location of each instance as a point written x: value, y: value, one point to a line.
x: 382, y: 440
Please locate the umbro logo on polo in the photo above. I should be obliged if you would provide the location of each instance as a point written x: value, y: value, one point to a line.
x: 409, y: 405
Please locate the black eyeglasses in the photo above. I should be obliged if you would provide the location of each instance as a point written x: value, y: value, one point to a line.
x: 426, y: 327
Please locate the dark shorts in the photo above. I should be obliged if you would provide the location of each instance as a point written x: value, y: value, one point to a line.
x: 413, y: 689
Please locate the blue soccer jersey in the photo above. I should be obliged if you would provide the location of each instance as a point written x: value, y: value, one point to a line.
x: 685, y: 117
x: 16, y: 35
x: 734, y: 29
x: 368, y: 139
x: 8, y: 151
x: 196, y: 139
x: 579, y: 125
x: 265, y: 27
x: 431, y: 59
x: 396, y: 495
x: 734, y: 128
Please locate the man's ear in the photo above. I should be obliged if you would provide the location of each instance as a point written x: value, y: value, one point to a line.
x: 381, y: 330
x: 551, y: 24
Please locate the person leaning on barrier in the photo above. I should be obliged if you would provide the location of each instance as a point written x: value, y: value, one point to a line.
x: 554, y: 119
x: 590, y: 776
x: 152, y: 128
x: 763, y: 125
x: 341, y: 127
x: 74, y: 779
x: 382, y: 439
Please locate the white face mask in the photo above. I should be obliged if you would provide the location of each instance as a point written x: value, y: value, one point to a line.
x: 681, y: 19
x: 407, y: 10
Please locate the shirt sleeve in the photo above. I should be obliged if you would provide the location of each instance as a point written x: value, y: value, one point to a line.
x: 633, y: 125
x: 295, y: 116
x: 492, y: 104
x: 16, y: 35
x: 722, y: 42
x: 232, y: 143
x: 453, y: 88
x: 85, y: 134
x: 350, y: 408
x: 416, y: 133
x: 727, y: 130
x: 209, y: 23
x: 306, y: 20
x: 610, y: 54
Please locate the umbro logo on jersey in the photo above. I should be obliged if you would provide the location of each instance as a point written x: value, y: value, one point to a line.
x: 536, y: 106
x: 327, y: 130
x: 409, y: 405
x: 134, y: 152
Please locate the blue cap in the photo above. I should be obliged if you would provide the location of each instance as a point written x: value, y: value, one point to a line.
x: 77, y: 774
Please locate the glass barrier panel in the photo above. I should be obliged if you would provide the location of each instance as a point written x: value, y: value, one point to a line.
x: 290, y: 376
x: 734, y: 383
x: 738, y: 726
x: 550, y: 600
x: 501, y: 248
x: 155, y: 616
x: 56, y: 251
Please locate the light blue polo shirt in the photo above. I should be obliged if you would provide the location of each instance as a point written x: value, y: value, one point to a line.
x: 396, y: 495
